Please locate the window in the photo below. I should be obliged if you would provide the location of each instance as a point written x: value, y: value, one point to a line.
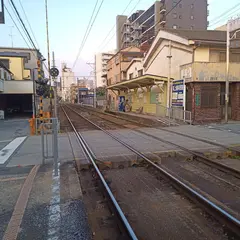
x: 192, y: 6
x: 131, y: 76
x: 192, y: 27
x: 140, y: 73
x: 174, y: 27
x: 175, y: 15
x: 222, y: 57
x: 209, y: 97
x: 5, y: 62
x: 180, y: 5
x: 192, y: 17
x: 180, y: 16
x: 174, y: 3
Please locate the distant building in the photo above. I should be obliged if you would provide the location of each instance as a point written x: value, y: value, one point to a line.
x: 67, y: 79
x: 141, y: 27
x: 101, y: 66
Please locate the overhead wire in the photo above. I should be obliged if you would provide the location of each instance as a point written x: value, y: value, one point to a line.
x: 23, y: 24
x: 87, y: 32
x: 114, y: 24
x: 27, y: 35
x: 225, y: 16
x: 20, y: 2
x: 120, y: 27
x: 224, y: 13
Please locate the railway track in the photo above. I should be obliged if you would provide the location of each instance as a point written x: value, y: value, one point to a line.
x: 197, y: 156
x: 129, y: 233
x: 211, y: 205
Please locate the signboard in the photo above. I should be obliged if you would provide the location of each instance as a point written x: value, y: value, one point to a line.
x: 2, y: 21
x: 54, y: 72
x: 178, y: 93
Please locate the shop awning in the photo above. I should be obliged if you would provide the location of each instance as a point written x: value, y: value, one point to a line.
x: 142, y: 81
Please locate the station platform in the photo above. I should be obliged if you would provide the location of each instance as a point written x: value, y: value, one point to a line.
x: 36, y: 204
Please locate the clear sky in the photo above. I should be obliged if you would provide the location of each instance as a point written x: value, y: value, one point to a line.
x: 68, y: 21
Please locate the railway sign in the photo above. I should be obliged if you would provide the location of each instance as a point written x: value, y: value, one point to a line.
x: 54, y: 72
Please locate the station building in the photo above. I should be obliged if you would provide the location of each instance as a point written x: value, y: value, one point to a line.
x: 17, y: 88
x: 198, y: 58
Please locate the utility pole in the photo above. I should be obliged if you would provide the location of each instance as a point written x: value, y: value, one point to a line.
x: 93, y: 66
x: 11, y: 35
x: 169, y: 75
x: 233, y: 26
x: 54, y: 87
x: 48, y: 50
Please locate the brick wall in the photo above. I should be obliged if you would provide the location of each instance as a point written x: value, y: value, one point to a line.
x: 205, y: 114
x: 236, y: 101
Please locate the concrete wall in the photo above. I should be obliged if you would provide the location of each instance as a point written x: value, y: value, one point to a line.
x: 120, y: 20
x: 158, y: 64
x: 181, y: 15
x: 15, y: 66
x: 18, y: 87
x: 201, y: 54
x: 134, y: 68
x: 31, y: 55
x: 208, y: 71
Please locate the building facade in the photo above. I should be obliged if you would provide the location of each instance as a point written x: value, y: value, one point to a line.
x: 101, y: 60
x: 198, y: 58
x: 141, y: 27
x: 67, y: 79
x: 17, y: 90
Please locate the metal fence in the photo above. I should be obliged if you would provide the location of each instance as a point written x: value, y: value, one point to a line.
x: 173, y: 114
x: 49, y: 140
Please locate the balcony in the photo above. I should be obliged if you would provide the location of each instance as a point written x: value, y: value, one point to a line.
x: 210, y: 71
x: 18, y: 87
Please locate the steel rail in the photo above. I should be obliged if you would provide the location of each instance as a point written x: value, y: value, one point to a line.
x: 232, y: 222
x: 177, y: 133
x: 92, y: 158
x: 200, y: 157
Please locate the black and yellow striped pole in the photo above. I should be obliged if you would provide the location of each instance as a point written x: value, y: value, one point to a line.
x: 41, y: 98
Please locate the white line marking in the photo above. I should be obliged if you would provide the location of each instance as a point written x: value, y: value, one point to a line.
x: 4, y: 141
x: 54, y: 221
x: 7, y: 151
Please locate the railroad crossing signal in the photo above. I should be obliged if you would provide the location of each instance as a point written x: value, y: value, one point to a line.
x: 54, y: 72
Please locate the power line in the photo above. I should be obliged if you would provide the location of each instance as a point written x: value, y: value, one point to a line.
x: 120, y: 27
x: 89, y: 30
x: 224, y: 13
x: 115, y: 24
x: 224, y: 16
x: 23, y: 24
x: 28, y: 22
x: 17, y: 27
x: 25, y: 31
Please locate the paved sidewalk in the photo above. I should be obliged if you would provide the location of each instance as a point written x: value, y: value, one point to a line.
x: 55, y: 209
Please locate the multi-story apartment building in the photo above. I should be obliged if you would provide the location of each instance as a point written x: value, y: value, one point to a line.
x: 67, y: 79
x: 101, y: 66
x: 141, y: 27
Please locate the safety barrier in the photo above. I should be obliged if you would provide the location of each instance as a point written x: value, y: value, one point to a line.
x: 173, y: 114
x: 49, y: 139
